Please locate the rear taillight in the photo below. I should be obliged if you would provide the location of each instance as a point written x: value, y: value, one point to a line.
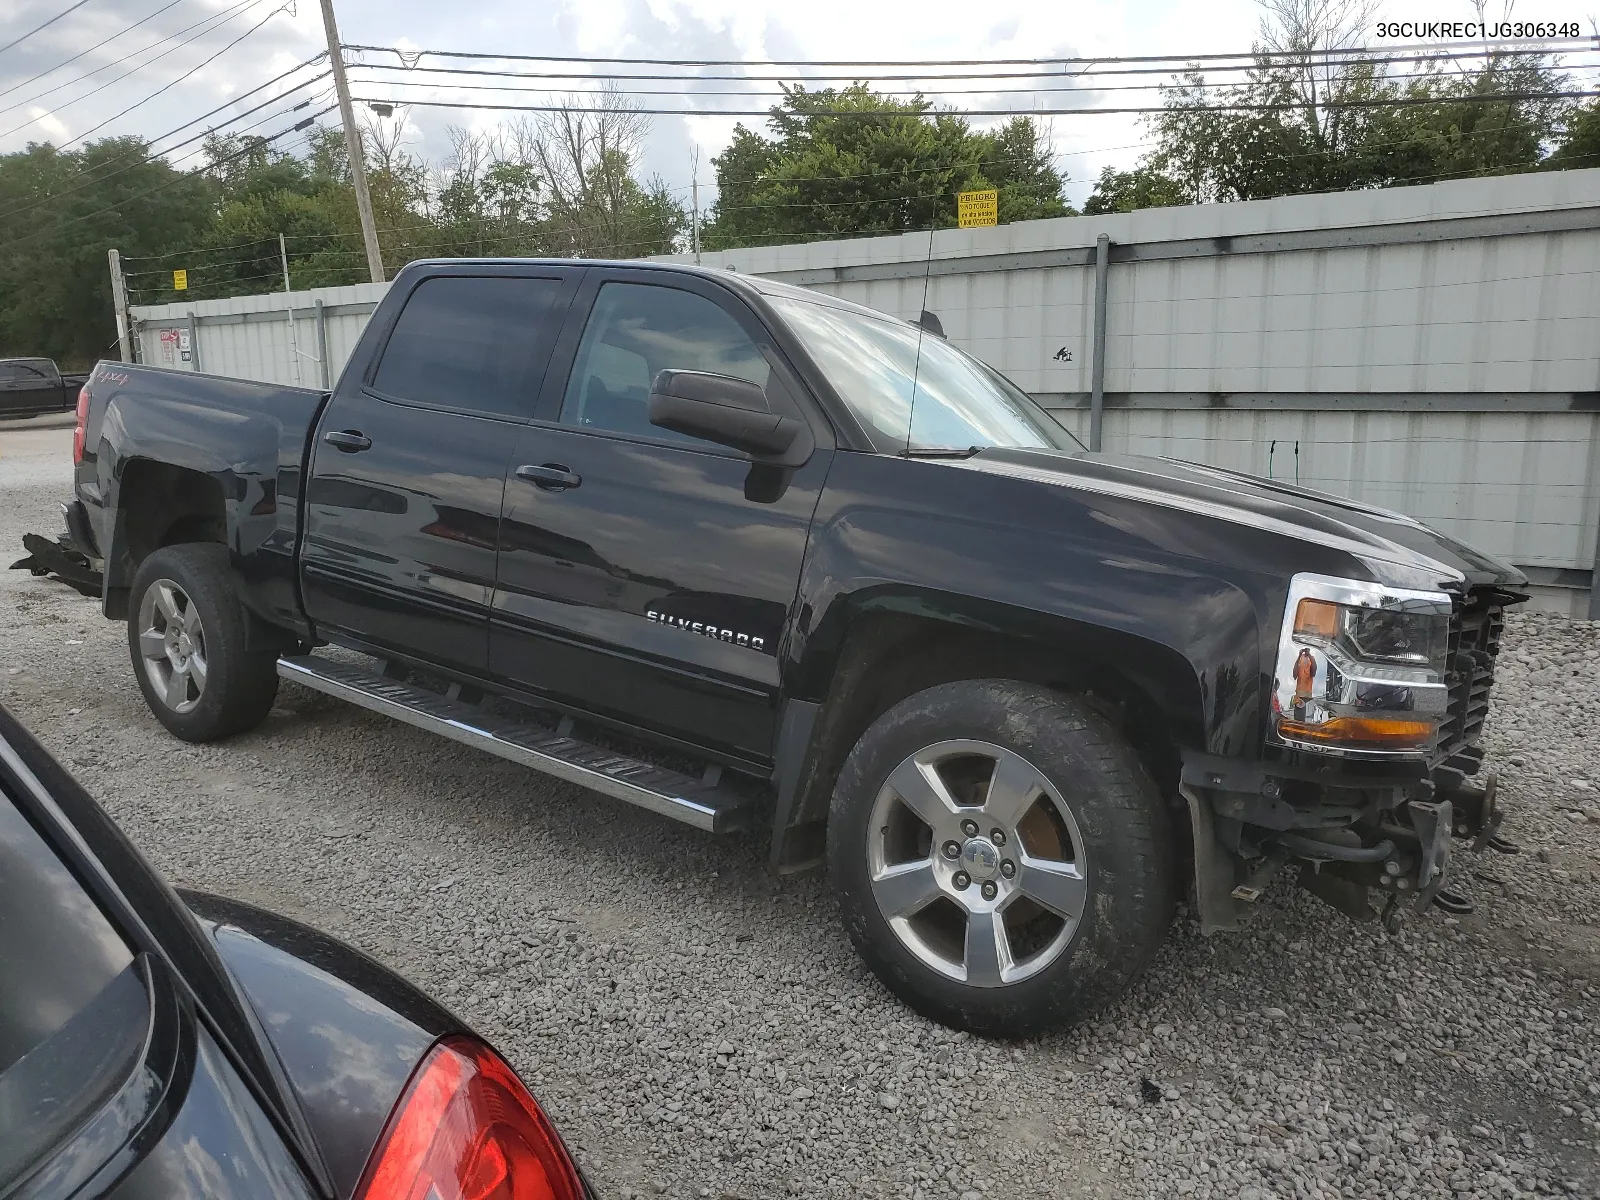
x: 83, y: 424
x: 466, y: 1129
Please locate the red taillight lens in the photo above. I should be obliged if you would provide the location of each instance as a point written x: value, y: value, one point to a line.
x: 83, y: 424
x: 466, y: 1129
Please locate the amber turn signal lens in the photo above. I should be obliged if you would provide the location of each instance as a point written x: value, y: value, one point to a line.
x: 1375, y: 732
x: 1317, y: 618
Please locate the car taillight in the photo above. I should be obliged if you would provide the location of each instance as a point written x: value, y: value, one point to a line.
x: 466, y: 1129
x: 83, y: 424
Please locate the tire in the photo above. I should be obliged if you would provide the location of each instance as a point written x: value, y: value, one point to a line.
x: 1083, y: 881
x: 187, y: 635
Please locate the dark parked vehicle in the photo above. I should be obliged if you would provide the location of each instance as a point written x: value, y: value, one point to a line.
x: 30, y: 387
x: 746, y: 554
x: 201, y: 1049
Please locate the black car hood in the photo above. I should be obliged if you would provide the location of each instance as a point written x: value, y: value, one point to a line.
x: 1374, y: 534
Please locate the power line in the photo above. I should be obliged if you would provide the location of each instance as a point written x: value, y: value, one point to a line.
x: 216, y: 20
x: 151, y: 157
x: 1179, y: 67
x: 16, y: 41
x: 68, y: 62
x: 1390, y: 102
x: 1510, y: 45
x: 174, y: 82
x: 181, y: 178
x: 932, y: 94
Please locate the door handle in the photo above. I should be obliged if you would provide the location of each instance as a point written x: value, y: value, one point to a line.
x: 552, y: 477
x: 351, y: 441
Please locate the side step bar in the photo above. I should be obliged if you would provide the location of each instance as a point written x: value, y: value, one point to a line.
x: 697, y: 802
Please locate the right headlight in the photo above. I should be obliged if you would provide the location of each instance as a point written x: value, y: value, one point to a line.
x: 1361, y: 667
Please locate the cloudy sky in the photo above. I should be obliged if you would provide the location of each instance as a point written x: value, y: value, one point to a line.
x: 174, y: 42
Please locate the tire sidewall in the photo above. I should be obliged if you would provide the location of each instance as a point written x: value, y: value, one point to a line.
x: 1129, y: 898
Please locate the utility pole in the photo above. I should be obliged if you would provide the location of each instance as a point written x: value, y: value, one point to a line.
x: 695, y: 202
x: 352, y: 142
x: 119, y: 303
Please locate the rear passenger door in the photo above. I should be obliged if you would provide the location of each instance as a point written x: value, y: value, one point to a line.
x: 409, y: 462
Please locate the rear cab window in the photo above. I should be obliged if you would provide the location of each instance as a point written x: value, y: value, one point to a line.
x: 469, y: 343
x: 74, y: 1009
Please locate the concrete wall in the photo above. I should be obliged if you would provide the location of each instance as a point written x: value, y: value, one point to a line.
x: 1433, y: 349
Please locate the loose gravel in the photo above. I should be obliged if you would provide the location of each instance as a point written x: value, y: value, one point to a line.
x: 700, y: 1030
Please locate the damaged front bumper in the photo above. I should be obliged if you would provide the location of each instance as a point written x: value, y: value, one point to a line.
x: 72, y: 557
x: 1353, y: 841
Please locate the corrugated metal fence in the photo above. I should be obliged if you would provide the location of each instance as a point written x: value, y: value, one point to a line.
x: 1431, y: 349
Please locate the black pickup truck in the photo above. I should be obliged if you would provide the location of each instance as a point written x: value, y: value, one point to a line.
x: 748, y: 555
x: 31, y: 387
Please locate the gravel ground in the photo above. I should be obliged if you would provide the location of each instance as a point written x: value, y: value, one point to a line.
x: 699, y: 1030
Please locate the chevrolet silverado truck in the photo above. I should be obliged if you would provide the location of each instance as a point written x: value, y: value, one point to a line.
x: 751, y: 556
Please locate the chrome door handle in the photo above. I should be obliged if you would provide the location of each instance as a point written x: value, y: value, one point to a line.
x: 552, y: 477
x: 351, y: 441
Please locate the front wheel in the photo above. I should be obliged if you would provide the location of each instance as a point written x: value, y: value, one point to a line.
x: 188, y: 636
x: 1003, y: 861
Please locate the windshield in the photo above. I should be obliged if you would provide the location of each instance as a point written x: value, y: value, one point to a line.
x: 960, y: 402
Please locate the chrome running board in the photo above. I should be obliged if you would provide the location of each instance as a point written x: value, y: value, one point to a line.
x: 697, y: 802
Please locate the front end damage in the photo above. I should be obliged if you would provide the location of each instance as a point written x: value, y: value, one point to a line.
x: 1371, y: 834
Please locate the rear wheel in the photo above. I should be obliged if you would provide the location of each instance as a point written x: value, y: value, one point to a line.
x: 188, y: 637
x: 1003, y: 861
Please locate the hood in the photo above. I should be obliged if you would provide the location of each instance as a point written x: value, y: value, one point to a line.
x: 1400, y: 550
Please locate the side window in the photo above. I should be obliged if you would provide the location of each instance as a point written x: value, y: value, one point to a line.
x: 470, y: 342
x: 636, y: 330
x: 73, y: 1008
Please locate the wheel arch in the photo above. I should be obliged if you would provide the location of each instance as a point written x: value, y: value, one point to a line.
x: 158, y: 504
x: 883, y: 645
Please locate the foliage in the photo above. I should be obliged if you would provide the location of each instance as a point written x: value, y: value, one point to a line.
x: 554, y: 188
x: 1302, y: 122
x: 60, y: 212
x: 895, y: 167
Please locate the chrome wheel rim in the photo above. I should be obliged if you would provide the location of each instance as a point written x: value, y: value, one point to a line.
x: 977, y: 863
x: 172, y: 645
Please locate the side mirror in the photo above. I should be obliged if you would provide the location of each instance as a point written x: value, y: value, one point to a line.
x: 722, y: 409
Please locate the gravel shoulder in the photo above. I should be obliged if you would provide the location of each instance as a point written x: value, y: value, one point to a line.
x: 699, y: 1029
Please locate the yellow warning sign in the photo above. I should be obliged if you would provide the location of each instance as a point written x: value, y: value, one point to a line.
x: 180, y: 279
x: 977, y: 208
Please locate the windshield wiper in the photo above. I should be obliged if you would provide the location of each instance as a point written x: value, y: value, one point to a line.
x: 940, y: 452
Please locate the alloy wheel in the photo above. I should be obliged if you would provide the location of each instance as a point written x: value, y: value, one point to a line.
x: 172, y: 642
x: 976, y: 863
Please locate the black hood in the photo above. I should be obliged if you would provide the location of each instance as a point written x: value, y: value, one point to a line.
x: 1376, y: 535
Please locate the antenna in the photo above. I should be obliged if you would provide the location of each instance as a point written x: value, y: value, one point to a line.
x: 922, y: 326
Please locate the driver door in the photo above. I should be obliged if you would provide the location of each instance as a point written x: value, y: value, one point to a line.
x: 645, y: 576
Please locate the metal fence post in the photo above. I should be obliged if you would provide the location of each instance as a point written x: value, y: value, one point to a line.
x: 1097, y: 385
x: 322, y: 345
x: 119, y: 304
x: 194, y: 341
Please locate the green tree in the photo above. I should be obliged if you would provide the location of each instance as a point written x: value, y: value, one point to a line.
x: 60, y: 212
x: 1580, y: 140
x: 1304, y: 121
x: 889, y: 166
x: 1143, y: 187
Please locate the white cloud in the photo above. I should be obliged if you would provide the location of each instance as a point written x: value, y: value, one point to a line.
x: 49, y: 124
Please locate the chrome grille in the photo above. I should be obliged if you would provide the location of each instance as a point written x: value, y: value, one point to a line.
x: 1475, y: 631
